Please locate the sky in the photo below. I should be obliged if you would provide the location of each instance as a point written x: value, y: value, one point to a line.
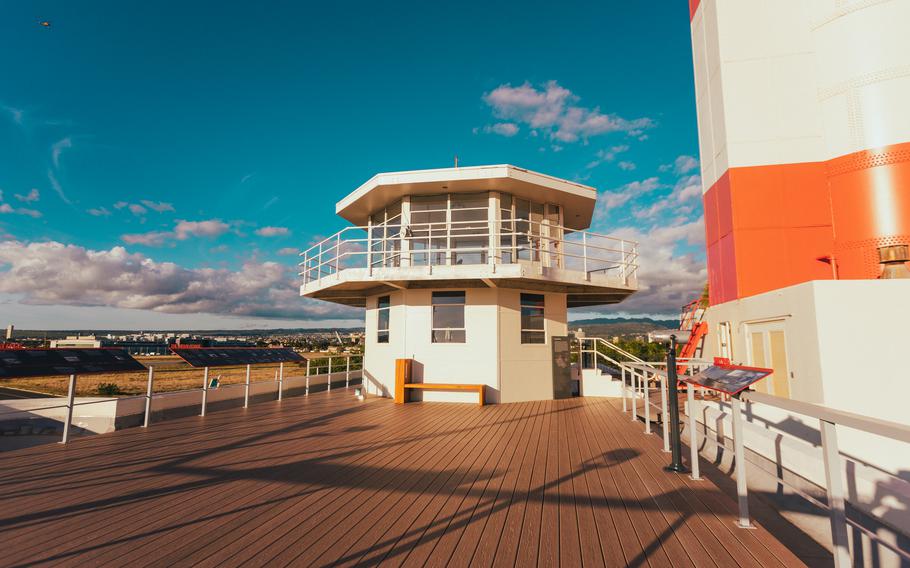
x: 161, y: 165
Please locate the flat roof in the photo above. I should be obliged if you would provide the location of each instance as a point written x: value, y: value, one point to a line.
x: 577, y: 200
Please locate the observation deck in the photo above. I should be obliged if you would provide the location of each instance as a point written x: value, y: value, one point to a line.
x: 488, y: 226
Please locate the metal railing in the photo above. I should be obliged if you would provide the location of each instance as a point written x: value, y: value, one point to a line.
x: 641, y: 375
x: 452, y: 243
x: 323, y: 366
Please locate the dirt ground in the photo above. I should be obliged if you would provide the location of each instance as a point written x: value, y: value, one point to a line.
x: 172, y: 374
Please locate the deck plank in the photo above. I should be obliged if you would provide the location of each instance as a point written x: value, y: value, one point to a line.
x: 329, y: 480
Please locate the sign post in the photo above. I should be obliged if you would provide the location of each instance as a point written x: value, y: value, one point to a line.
x: 675, y: 442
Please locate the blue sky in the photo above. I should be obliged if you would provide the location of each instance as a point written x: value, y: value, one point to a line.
x: 159, y: 164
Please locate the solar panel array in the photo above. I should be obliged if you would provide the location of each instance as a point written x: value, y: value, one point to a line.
x: 15, y: 363
x: 224, y: 356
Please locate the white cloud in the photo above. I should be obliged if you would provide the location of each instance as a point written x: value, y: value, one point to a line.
x: 157, y: 206
x: 687, y: 188
x: 619, y: 197
x: 626, y: 165
x: 507, y: 129
x: 183, y: 230
x: 137, y: 210
x: 288, y: 251
x: 99, y: 212
x: 667, y: 278
x: 211, y: 228
x: 17, y: 115
x: 607, y: 155
x: 51, y: 273
x: 6, y: 208
x: 554, y: 109
x: 57, y: 149
x: 681, y: 165
x: 31, y: 196
x: 685, y: 164
x: 55, y: 183
x: 273, y: 231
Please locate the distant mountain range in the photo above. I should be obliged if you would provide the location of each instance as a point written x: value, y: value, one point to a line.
x: 608, y: 327
x: 60, y: 333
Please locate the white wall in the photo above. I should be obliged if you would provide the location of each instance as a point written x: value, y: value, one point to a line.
x: 492, y: 354
x: 847, y: 346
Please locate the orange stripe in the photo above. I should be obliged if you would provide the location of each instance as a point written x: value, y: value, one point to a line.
x: 767, y: 226
x: 693, y: 6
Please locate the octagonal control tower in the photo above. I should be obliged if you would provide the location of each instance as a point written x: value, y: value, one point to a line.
x: 470, y: 271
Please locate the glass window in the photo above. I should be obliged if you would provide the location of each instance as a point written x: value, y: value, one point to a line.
x: 532, y: 319
x: 469, y: 230
x: 384, y: 306
x: 448, y: 317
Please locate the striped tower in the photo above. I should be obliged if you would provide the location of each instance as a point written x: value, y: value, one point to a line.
x: 804, y: 134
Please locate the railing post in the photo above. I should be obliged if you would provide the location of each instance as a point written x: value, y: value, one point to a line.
x: 280, y: 380
x: 835, y: 489
x: 307, y: 391
x: 584, y: 252
x: 663, y: 416
x: 329, y: 377
x: 634, y: 395
x: 246, y: 388
x: 205, y: 389
x: 623, y: 387
x: 622, y: 265
x: 70, y: 400
x: 148, y: 398
x: 347, y: 373
x: 338, y: 255
x: 693, y: 433
x: 647, y: 404
x: 739, y: 455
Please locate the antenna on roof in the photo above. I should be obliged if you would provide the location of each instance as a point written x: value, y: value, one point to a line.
x: 456, y: 160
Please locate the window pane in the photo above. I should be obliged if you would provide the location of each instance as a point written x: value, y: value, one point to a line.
x: 448, y: 298
x: 533, y: 337
x: 448, y: 317
x: 382, y: 337
x: 470, y: 201
x: 428, y: 202
x: 448, y: 336
x: 533, y: 300
x: 383, y: 302
x: 383, y: 323
x: 532, y: 318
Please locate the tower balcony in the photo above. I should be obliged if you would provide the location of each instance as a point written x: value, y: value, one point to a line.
x: 362, y: 261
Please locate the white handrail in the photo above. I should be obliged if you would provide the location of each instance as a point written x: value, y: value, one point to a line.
x: 431, y: 244
x: 829, y: 419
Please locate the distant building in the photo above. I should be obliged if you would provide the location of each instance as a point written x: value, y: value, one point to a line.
x: 79, y: 342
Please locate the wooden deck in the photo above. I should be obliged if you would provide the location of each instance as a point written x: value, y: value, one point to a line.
x: 329, y: 480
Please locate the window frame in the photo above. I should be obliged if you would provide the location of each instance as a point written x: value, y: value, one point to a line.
x: 530, y: 301
x: 383, y: 335
x: 451, y: 294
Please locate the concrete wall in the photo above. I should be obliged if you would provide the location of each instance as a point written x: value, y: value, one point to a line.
x: 527, y: 370
x: 492, y: 354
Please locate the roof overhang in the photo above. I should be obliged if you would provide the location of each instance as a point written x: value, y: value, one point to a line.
x: 577, y: 200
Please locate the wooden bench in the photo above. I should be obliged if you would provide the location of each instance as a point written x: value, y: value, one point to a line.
x: 444, y: 386
x: 404, y: 386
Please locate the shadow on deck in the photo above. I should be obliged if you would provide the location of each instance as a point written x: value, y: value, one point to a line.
x: 329, y: 480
